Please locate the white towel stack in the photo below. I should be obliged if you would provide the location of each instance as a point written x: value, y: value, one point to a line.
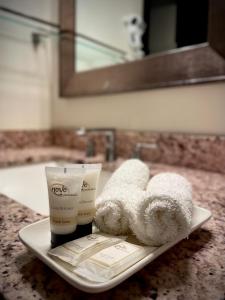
x: 165, y: 212
x: 124, y: 188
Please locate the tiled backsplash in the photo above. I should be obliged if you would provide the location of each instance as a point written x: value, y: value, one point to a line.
x: 25, y: 139
x: 71, y: 139
x: 196, y: 151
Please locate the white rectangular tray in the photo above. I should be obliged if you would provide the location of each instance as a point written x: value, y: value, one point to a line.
x: 37, y: 238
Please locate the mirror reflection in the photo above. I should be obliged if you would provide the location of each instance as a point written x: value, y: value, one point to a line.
x: 111, y: 32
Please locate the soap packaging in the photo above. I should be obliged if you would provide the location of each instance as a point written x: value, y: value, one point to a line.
x: 86, y: 204
x: 80, y: 249
x: 111, y: 261
x: 64, y: 192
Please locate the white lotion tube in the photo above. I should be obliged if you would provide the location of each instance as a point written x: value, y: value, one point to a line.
x: 64, y: 191
x: 86, y: 205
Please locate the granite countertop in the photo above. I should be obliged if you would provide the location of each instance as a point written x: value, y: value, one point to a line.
x: 193, y: 269
x: 12, y: 157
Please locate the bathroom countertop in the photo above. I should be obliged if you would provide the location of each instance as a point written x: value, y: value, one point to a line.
x: 193, y: 269
x: 12, y: 157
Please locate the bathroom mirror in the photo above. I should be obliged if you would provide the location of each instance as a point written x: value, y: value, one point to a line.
x: 115, y: 32
x: 117, y: 46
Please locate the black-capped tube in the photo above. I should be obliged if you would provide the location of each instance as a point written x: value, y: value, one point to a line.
x: 64, y: 192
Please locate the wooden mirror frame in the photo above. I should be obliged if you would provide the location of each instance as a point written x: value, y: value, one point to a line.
x: 188, y: 65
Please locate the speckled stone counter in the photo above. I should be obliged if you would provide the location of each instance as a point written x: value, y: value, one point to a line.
x: 193, y: 269
x: 12, y: 157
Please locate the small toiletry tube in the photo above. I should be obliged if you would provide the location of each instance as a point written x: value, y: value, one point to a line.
x: 64, y: 192
x: 80, y: 249
x: 86, y: 205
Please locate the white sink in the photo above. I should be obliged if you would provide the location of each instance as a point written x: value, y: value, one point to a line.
x: 27, y: 185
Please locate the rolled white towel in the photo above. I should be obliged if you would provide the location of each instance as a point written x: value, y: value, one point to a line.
x: 125, y: 187
x: 165, y: 212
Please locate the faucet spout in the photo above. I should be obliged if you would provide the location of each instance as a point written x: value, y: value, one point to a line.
x: 109, y: 134
x: 110, y: 145
x: 139, y: 146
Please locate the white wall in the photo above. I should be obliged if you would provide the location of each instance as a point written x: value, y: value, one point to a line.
x: 29, y: 94
x: 103, y: 19
x: 25, y: 73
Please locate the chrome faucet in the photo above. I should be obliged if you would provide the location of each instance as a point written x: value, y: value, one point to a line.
x: 139, y: 146
x: 109, y: 134
x: 110, y: 144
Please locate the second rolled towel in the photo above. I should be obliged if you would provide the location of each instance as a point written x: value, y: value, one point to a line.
x: 165, y: 212
x: 125, y: 187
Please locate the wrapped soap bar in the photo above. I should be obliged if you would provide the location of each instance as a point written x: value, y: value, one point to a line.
x: 111, y: 261
x: 78, y: 250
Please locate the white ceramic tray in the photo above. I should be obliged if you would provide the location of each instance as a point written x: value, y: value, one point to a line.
x: 37, y: 238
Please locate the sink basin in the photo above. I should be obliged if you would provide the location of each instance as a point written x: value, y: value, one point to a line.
x: 27, y: 185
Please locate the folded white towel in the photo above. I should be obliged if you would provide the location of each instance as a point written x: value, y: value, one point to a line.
x: 165, y: 212
x: 125, y: 187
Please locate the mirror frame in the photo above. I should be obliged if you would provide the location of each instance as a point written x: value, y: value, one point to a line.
x: 188, y: 65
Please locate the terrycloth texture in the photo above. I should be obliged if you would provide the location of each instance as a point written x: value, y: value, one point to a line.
x: 165, y: 212
x: 125, y: 187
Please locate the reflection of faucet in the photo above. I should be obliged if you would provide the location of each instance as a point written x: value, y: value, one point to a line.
x: 139, y: 146
x: 109, y: 134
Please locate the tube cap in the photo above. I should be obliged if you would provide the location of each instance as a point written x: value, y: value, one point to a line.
x: 59, y: 239
x: 81, y: 230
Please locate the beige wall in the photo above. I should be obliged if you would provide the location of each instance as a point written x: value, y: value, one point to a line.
x: 25, y: 73
x: 198, y: 109
x: 29, y: 94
